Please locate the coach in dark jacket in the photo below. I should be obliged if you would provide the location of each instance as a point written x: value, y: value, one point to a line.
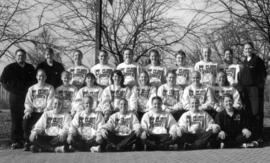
x: 52, y: 69
x: 16, y: 78
x: 252, y: 79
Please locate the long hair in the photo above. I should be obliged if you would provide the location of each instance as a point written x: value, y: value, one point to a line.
x: 93, y: 77
x: 120, y: 74
x: 147, y: 75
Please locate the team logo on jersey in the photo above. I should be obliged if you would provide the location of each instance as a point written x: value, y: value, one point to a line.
x: 158, y: 121
x: 87, y: 122
x: 123, y: 125
x: 54, y: 122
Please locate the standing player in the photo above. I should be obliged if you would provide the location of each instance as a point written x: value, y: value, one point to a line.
x: 129, y: 69
x: 78, y: 71
x: 155, y: 70
x: 38, y: 100
x: 103, y: 69
x: 50, y: 132
x: 206, y: 67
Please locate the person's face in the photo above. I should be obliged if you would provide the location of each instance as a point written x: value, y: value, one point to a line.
x: 194, y: 105
x: 156, y: 104
x: 170, y: 79
x: 116, y: 79
x: 20, y: 57
x: 180, y: 59
x: 123, y: 107
x: 77, y: 57
x: 228, y: 56
x: 103, y: 58
x: 196, y: 78
x: 228, y: 103
x: 89, y: 81
x: 143, y: 78
x: 57, y: 105
x: 87, y: 104
x: 41, y: 77
x: 48, y: 56
x: 206, y: 53
x: 65, y: 78
x: 221, y: 79
x: 128, y: 56
x: 154, y: 58
x: 248, y: 50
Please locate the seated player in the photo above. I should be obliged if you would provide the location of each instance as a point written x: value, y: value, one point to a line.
x: 171, y: 96
x: 50, y: 132
x: 139, y: 99
x: 159, y: 127
x: 234, y: 126
x: 84, y: 128
x: 122, y: 130
x: 196, y: 127
x: 38, y: 99
x: 66, y: 92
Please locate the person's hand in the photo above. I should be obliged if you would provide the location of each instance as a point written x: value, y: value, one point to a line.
x: 215, y: 128
x: 222, y: 135
x: 27, y: 115
x: 219, y: 109
x: 194, y: 128
x: 98, y: 138
x: 246, y: 133
x: 144, y: 135
x: 104, y: 133
x: 33, y: 136
x: 173, y: 135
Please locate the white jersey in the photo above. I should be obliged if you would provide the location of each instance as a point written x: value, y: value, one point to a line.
x: 53, y: 124
x: 78, y: 74
x: 203, y: 93
x: 200, y: 119
x: 122, y: 124
x: 171, y: 97
x: 130, y: 72
x: 86, y: 125
x: 140, y: 96
x: 158, y: 123
x: 103, y: 74
x: 219, y: 92
x: 67, y: 94
x: 111, y: 96
x: 232, y: 73
x: 183, y: 75
x: 208, y: 71
x: 38, y: 98
x: 156, y: 74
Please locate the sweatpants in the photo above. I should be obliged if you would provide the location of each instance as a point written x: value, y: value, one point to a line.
x: 82, y: 144
x: 29, y: 123
x: 48, y: 143
x: 121, y: 143
x: 158, y: 141
x: 234, y: 141
x: 199, y: 141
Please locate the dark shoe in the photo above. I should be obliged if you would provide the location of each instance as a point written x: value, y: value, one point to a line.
x: 15, y: 146
x: 26, y: 147
x: 187, y: 146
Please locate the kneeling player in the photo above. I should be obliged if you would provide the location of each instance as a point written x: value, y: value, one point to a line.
x: 50, y: 132
x: 84, y: 128
x: 122, y: 130
x: 196, y: 127
x: 159, y: 127
x: 234, y: 126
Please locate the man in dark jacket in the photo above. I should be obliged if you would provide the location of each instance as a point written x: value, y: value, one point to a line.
x: 16, y: 78
x: 52, y: 69
x: 252, y: 79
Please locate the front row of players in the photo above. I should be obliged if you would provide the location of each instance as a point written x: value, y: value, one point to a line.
x: 158, y: 130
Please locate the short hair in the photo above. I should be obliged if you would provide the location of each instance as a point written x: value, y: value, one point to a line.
x: 249, y: 43
x: 92, y: 76
x: 180, y: 52
x: 41, y: 70
x: 228, y: 49
x: 156, y: 98
x: 119, y: 73
x: 171, y: 72
x: 49, y: 50
x: 20, y: 50
x: 228, y: 96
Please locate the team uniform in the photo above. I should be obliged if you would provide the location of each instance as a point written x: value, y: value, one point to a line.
x: 172, y: 99
x: 218, y: 93
x: 78, y: 74
x: 84, y: 128
x: 183, y: 75
x: 200, y: 137
x: 67, y: 94
x: 208, y: 71
x: 131, y: 73
x: 48, y: 128
x: 38, y: 99
x: 233, y: 126
x: 159, y: 127
x: 121, y: 131
x: 103, y: 74
x: 232, y: 72
x: 156, y: 75
x: 139, y: 99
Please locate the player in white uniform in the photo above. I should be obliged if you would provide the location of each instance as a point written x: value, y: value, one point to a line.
x: 122, y: 129
x: 139, y: 99
x: 78, y: 71
x: 182, y: 69
x: 50, y: 132
x: 84, y: 129
x: 155, y: 70
x: 129, y: 69
x: 66, y: 91
x: 206, y: 67
x: 103, y: 69
x: 38, y: 99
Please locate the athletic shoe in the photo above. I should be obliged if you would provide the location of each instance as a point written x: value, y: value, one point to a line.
x: 60, y: 149
x: 15, y: 146
x: 26, y: 147
x: 95, y: 149
x: 250, y: 145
